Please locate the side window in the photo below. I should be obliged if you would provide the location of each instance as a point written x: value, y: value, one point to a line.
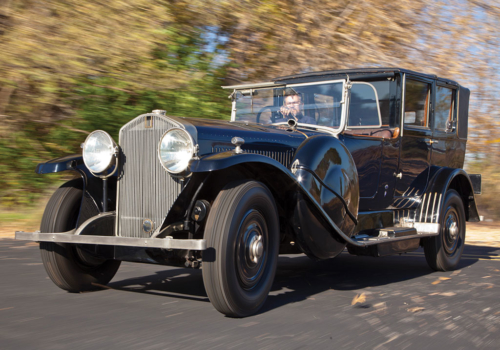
x: 386, y: 102
x: 417, y: 98
x: 445, y: 115
x: 364, y: 110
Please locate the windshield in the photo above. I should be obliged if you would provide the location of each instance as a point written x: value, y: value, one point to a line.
x: 313, y: 104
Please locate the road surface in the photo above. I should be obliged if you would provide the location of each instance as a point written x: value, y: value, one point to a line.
x: 346, y: 303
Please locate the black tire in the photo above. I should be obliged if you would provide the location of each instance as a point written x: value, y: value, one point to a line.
x: 242, y: 234
x: 69, y: 267
x: 443, y: 252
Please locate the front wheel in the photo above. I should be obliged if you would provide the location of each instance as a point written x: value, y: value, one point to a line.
x: 242, y: 234
x: 68, y: 266
x: 443, y: 252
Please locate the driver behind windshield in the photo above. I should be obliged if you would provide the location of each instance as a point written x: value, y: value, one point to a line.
x: 293, y: 108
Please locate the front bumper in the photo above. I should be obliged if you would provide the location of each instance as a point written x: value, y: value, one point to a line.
x: 70, y: 237
x: 100, y: 230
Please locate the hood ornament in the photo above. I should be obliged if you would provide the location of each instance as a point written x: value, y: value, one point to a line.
x: 237, y: 141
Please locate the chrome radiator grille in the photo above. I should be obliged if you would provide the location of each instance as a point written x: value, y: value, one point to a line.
x: 145, y: 189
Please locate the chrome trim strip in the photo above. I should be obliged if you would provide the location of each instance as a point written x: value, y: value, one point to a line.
x: 433, y: 213
x: 439, y: 206
x: 427, y: 207
x: 69, y: 237
x: 422, y: 207
x: 426, y: 228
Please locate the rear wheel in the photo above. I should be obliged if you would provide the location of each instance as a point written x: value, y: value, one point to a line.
x: 242, y: 234
x: 68, y: 266
x: 443, y: 252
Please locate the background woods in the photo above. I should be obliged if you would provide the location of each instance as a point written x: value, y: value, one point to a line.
x: 68, y: 67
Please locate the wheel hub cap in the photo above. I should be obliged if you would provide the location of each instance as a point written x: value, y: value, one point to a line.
x: 453, y: 230
x: 251, y: 250
x: 451, y: 236
x: 256, y: 248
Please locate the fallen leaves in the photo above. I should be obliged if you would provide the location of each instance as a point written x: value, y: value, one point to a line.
x: 441, y: 279
x: 416, y: 309
x: 359, y: 299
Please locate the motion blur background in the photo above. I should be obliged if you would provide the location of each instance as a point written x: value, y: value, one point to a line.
x: 68, y: 67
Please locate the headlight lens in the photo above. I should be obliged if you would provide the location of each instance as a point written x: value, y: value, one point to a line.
x: 99, y: 151
x: 175, y: 150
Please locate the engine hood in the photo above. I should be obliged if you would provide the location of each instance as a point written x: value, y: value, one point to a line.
x: 214, y: 136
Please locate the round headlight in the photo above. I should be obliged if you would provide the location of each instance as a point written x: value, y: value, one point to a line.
x: 175, y: 150
x: 99, y: 151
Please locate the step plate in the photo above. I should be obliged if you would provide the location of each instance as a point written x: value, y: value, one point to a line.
x: 397, y: 231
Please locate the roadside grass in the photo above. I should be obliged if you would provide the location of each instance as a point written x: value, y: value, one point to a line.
x: 24, y: 218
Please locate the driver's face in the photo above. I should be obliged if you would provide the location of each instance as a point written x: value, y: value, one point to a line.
x: 294, y: 103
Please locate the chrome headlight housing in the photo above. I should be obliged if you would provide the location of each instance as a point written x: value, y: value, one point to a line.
x: 175, y: 150
x: 99, y: 152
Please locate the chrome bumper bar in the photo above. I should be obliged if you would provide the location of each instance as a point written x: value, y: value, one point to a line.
x: 69, y: 237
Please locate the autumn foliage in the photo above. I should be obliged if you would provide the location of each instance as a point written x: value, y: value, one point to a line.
x: 68, y: 67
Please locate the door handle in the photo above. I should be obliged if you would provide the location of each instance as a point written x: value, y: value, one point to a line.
x: 430, y: 142
x: 398, y: 176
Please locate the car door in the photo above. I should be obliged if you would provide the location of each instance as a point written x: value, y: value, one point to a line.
x: 447, y: 149
x: 364, y: 118
x: 416, y: 141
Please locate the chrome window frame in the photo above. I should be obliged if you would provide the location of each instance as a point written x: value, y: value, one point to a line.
x: 378, y: 109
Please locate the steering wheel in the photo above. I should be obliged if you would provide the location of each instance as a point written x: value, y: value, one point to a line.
x: 273, y: 114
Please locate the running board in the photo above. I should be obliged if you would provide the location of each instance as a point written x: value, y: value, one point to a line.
x: 394, y: 234
x: 391, y: 240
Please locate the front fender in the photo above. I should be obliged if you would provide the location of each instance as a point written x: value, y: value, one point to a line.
x: 433, y: 200
x: 70, y: 162
x: 332, y: 163
x: 91, y: 204
x: 317, y: 216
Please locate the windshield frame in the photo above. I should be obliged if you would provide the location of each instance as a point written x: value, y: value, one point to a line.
x: 329, y: 129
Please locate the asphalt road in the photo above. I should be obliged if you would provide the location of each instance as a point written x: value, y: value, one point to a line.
x: 349, y: 302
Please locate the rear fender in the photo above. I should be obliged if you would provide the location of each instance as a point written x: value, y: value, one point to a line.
x: 433, y: 200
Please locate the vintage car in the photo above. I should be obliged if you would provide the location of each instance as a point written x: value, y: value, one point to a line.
x: 368, y: 160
